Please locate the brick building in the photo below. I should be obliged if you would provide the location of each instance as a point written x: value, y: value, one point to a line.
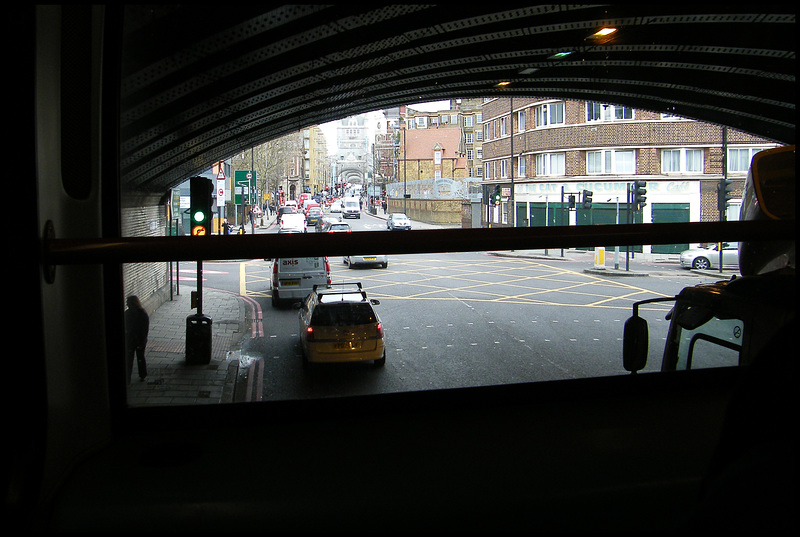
x: 563, y: 148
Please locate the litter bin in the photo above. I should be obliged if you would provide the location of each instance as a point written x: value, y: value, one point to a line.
x: 198, y: 340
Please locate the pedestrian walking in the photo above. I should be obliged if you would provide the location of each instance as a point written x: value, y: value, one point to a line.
x: 137, y: 327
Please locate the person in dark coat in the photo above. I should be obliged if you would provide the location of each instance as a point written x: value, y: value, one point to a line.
x: 137, y: 327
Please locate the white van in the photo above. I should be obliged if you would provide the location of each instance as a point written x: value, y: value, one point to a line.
x: 293, y: 223
x: 294, y: 278
x: 351, y: 208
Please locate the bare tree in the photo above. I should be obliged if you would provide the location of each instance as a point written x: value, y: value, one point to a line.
x: 270, y: 160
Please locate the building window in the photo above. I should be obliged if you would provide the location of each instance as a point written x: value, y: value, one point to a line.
x: 521, y: 121
x: 610, y: 161
x: 468, y: 121
x: 739, y: 158
x: 551, y: 164
x: 550, y: 114
x: 682, y: 161
x: 607, y: 112
x: 521, y: 166
x: 437, y: 157
x: 502, y: 126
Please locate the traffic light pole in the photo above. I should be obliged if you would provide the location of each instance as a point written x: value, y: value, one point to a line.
x: 198, y: 326
x: 199, y: 287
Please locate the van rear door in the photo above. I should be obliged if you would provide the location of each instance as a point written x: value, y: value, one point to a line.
x: 295, y: 277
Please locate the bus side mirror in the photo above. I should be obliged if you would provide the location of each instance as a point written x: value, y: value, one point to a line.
x: 635, y: 344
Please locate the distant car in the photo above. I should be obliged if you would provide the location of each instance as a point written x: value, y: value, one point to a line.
x: 336, y: 206
x: 313, y: 215
x: 286, y: 209
x: 398, y: 221
x: 352, y: 260
x: 339, y: 324
x: 325, y: 220
x: 708, y: 258
x: 336, y: 227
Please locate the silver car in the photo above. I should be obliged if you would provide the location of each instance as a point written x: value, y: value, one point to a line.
x: 352, y: 260
x: 398, y: 221
x: 708, y: 258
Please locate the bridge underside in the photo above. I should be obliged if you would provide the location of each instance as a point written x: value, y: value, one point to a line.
x: 198, y: 87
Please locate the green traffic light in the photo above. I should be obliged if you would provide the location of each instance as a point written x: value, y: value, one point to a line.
x: 199, y: 216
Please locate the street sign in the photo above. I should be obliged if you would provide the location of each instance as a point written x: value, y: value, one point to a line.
x: 244, y: 183
x: 221, y: 184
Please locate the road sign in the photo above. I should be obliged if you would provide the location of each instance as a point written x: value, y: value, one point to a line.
x: 244, y: 184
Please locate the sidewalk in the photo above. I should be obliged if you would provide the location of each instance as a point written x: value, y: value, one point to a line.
x: 170, y: 381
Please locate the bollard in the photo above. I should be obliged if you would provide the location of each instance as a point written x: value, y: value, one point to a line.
x: 198, y: 340
x: 600, y: 257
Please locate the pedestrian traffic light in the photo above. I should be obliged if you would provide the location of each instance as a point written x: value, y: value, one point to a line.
x: 724, y: 194
x: 587, y: 199
x: 639, y: 194
x: 200, y: 206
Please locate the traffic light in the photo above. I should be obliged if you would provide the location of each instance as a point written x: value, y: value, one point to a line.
x: 571, y: 201
x: 496, y: 195
x: 724, y: 190
x: 587, y: 199
x: 200, y: 206
x: 639, y: 194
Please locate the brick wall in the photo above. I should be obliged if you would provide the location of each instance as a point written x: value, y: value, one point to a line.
x: 148, y: 281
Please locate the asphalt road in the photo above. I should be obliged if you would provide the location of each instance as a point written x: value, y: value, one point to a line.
x: 466, y: 319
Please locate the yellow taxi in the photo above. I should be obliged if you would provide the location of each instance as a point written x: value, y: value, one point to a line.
x: 339, y: 324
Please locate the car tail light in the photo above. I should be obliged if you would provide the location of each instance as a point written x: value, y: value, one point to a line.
x: 379, y: 329
x: 310, y: 333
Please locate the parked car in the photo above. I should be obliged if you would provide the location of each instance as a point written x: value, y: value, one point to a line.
x: 352, y: 260
x: 398, y: 221
x: 295, y: 277
x: 708, y: 258
x: 339, y: 324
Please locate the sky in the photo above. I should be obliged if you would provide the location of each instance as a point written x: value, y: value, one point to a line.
x: 329, y: 129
